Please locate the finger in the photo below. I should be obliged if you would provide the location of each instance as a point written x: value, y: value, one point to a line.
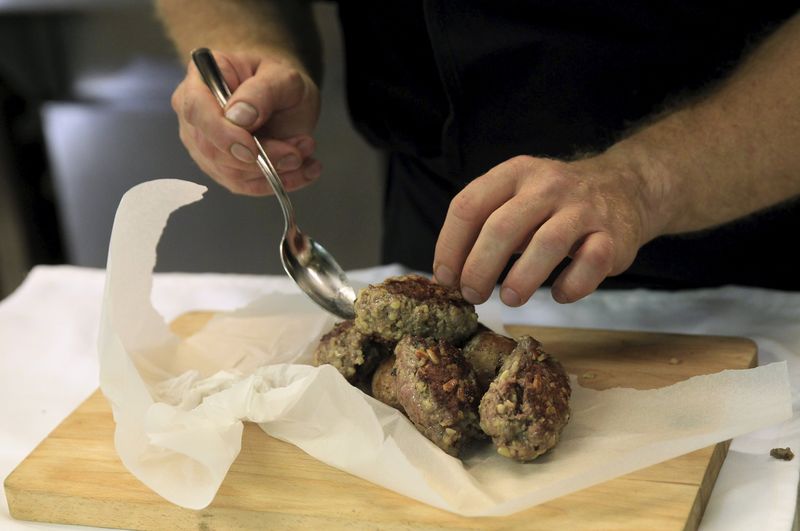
x: 193, y: 97
x: 283, y: 155
x: 308, y: 173
x: 550, y: 244
x: 249, y: 180
x: 273, y: 87
x: 502, y: 234
x: 304, y: 143
x: 257, y: 183
x: 201, y: 151
x: 196, y: 105
x: 230, y: 178
x: 466, y: 215
x: 234, y: 144
x: 591, y: 264
x: 193, y: 103
x: 200, y: 148
x: 232, y: 72
x: 235, y: 180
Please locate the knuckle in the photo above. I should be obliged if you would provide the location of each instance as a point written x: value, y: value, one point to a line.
x: 520, y: 163
x: 464, y: 205
x: 600, y: 256
x: 517, y: 168
x: 558, y: 182
x: 176, y: 99
x: 556, y: 171
x: 188, y: 109
x: 284, y: 90
x: 295, y: 81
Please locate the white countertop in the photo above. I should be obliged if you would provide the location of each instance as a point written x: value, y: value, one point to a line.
x: 48, y: 363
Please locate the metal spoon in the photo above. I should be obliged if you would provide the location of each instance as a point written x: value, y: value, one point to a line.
x: 312, y: 268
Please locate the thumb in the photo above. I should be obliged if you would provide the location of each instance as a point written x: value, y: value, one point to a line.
x: 272, y: 89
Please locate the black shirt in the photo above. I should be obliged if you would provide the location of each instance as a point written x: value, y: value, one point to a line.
x: 452, y: 88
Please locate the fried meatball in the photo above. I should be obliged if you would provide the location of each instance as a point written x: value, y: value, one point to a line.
x: 354, y: 354
x: 485, y: 351
x: 527, y: 404
x: 384, y: 383
x: 412, y: 305
x: 438, y: 391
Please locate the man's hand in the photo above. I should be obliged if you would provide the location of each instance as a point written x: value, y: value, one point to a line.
x: 722, y: 156
x: 271, y: 98
x: 590, y: 210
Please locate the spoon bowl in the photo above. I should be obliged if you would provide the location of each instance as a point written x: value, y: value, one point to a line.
x: 312, y: 268
x: 319, y: 276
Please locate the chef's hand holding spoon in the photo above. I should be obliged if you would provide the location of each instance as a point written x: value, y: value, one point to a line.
x: 273, y: 98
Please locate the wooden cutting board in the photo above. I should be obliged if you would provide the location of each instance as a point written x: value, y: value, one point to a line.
x: 75, y: 477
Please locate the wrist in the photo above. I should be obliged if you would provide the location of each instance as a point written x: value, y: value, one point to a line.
x: 644, y: 170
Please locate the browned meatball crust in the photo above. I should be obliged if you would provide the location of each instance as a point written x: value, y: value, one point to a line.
x: 384, y: 383
x: 485, y: 351
x: 437, y: 389
x: 527, y: 404
x: 412, y: 305
x: 353, y: 353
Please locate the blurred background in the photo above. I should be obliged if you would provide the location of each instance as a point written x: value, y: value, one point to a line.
x: 85, y: 115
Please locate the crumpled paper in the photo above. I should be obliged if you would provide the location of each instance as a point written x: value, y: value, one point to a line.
x: 179, y: 404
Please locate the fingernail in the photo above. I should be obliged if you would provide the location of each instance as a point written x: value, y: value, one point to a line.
x: 242, y: 153
x: 558, y: 296
x: 242, y: 114
x: 313, y: 172
x: 444, y: 275
x: 471, y: 296
x: 289, y: 162
x: 510, y: 297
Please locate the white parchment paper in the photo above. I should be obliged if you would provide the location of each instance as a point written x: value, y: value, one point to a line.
x: 179, y: 404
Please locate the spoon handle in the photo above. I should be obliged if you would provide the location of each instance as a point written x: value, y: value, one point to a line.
x: 212, y: 76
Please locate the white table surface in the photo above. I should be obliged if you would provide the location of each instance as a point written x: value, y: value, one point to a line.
x: 48, y: 363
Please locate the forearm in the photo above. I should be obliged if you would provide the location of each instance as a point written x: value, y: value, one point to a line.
x: 282, y: 28
x: 731, y: 153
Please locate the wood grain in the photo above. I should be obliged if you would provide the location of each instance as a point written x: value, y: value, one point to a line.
x: 75, y: 477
